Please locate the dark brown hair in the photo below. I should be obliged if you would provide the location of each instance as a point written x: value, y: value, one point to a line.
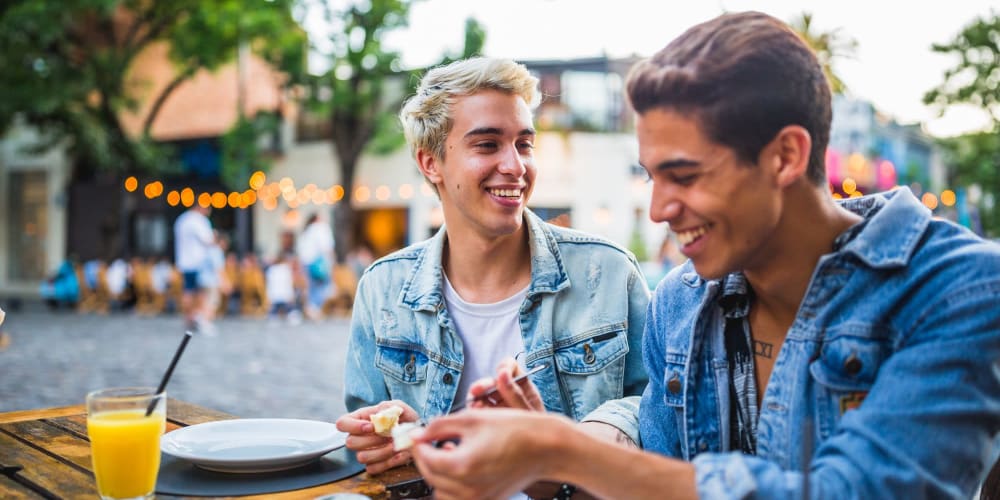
x: 743, y: 76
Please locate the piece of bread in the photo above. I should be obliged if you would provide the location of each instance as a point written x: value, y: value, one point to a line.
x: 385, y: 420
x: 401, y: 439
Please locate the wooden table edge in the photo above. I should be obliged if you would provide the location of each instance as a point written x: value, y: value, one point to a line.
x: 22, y: 415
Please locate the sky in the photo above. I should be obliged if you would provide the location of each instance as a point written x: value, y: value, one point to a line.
x: 893, y: 66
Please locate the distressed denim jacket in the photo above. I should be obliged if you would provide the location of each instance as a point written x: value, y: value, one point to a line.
x: 892, y: 363
x: 583, y: 315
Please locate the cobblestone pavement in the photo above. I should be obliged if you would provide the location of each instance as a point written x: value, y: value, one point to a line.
x: 251, y: 368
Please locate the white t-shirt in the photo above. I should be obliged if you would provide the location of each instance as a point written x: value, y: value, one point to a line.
x: 192, y: 238
x: 315, y: 241
x: 489, y: 333
x: 280, y: 283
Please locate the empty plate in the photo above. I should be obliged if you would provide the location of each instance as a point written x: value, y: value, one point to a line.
x: 253, y: 444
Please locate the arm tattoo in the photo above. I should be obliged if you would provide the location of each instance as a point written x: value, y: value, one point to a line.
x: 623, y: 439
x: 763, y: 349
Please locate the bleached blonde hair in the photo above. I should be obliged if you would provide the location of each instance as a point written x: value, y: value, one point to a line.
x: 426, y: 116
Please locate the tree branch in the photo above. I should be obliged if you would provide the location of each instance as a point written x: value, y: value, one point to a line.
x: 161, y: 99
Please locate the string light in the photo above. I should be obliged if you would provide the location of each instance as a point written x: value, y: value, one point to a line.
x: 131, y: 184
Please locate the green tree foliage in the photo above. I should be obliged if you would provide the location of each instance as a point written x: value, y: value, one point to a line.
x: 66, y: 65
x: 829, y: 46
x: 974, y: 80
x: 364, y: 87
x: 975, y: 160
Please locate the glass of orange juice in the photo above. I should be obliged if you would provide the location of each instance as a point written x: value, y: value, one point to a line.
x: 124, y: 441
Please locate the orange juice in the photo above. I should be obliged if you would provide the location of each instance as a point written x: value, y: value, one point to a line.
x: 125, y: 446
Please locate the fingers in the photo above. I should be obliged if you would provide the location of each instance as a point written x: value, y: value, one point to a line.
x: 388, y: 459
x: 358, y: 442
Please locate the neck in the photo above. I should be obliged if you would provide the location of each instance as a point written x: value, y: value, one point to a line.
x: 810, y: 223
x: 487, y: 270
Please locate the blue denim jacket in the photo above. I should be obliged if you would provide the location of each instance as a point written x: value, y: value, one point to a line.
x: 583, y: 315
x: 893, y: 361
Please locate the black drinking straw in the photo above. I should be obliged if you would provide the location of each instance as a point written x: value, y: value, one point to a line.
x: 170, y: 371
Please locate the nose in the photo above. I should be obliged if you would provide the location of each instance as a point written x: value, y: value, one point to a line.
x: 664, y: 206
x: 512, y: 163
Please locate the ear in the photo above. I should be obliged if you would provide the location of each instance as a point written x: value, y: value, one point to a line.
x: 787, y: 155
x: 429, y: 166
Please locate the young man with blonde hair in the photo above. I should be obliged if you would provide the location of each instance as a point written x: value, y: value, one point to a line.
x: 495, y: 283
x: 809, y: 348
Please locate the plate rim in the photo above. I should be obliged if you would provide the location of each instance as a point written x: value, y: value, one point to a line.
x: 249, y: 465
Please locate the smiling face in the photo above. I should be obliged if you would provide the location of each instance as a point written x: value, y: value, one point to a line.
x: 488, y: 169
x: 723, y: 211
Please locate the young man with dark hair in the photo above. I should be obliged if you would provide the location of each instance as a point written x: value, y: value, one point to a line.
x: 808, y: 348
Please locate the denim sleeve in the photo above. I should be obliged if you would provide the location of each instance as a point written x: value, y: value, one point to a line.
x: 927, y: 429
x: 363, y: 383
x: 658, y: 430
x: 638, y: 301
x: 624, y: 413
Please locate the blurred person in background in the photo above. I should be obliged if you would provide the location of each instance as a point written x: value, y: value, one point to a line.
x: 315, y: 252
x: 809, y: 348
x: 494, y: 282
x: 213, y: 281
x: 280, y: 281
x: 193, y: 240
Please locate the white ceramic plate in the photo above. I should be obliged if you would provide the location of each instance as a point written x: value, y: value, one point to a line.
x: 253, y: 444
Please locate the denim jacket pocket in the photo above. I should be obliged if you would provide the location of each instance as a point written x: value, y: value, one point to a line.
x: 591, y: 367
x: 674, y: 376
x: 844, y: 373
x: 403, y: 363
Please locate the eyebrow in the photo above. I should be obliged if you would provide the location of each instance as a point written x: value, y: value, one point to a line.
x: 496, y: 131
x: 678, y: 163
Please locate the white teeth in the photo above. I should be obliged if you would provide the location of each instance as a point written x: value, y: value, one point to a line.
x: 686, y: 237
x: 506, y: 193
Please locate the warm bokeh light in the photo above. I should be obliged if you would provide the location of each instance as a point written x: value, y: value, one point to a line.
x: 270, y: 203
x: 425, y: 188
x: 336, y: 193
x: 302, y: 197
x: 849, y: 185
x: 319, y: 197
x: 286, y: 183
x: 149, y: 191
x: 205, y: 200
x: 362, y: 193
x: 257, y: 180
x: 292, y: 203
x: 837, y: 196
x: 856, y: 194
x: 406, y: 191
x: 187, y: 197
x: 383, y: 193
x: 131, y: 184
x: 219, y: 200
x: 173, y: 198
x: 273, y: 189
x: 248, y: 198
x: 289, y: 195
x: 290, y: 219
x: 948, y: 198
x: 234, y: 199
x: 929, y: 200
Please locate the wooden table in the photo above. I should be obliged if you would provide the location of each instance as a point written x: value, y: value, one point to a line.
x: 51, y: 447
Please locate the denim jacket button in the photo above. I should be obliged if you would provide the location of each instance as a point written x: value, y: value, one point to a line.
x: 853, y: 365
x: 447, y: 378
x: 674, y: 385
x: 588, y: 354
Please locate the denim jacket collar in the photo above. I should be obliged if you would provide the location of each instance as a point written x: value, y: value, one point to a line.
x: 895, y: 222
x: 422, y: 289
